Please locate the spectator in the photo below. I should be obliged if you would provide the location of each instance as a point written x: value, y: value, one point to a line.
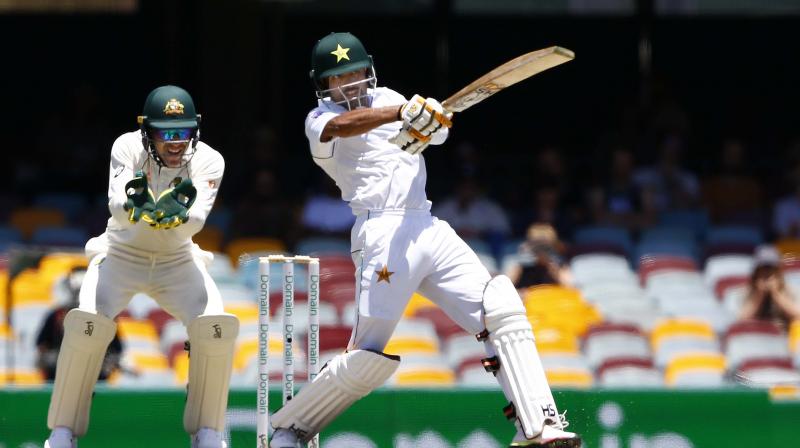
x: 621, y: 201
x: 262, y: 211
x: 673, y: 187
x: 472, y: 214
x: 767, y: 296
x: 324, y: 213
x: 786, y: 215
x: 49, y: 339
x: 540, y: 260
x: 732, y: 195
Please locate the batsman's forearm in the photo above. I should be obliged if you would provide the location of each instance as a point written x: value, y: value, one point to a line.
x: 359, y: 121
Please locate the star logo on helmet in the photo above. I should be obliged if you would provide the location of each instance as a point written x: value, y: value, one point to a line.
x: 173, y: 107
x: 340, y: 53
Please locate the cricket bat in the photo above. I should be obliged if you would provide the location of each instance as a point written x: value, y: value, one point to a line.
x: 508, y: 74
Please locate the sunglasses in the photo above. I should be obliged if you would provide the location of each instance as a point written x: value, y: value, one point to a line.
x: 174, y: 135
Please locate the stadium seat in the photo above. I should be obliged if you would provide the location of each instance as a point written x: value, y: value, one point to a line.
x: 696, y: 221
x: 59, y: 236
x: 659, y: 264
x: 21, y: 377
x: 721, y: 266
x: 597, y: 293
x: 209, y: 238
x: 660, y: 248
x: 72, y: 205
x: 615, y: 236
x: 317, y: 246
x: 8, y: 237
x: 734, y: 234
x: 789, y: 248
x: 221, y: 269
x: 423, y: 371
x: 445, y: 327
x: 606, y: 341
x: 629, y: 373
x: 339, y: 294
x: 768, y: 372
x: 252, y: 248
x: 555, y: 340
x: 141, y: 305
x: 642, y: 313
x: 334, y: 337
x: 463, y: 349
x: 576, y: 249
x: 794, y: 342
x: 696, y: 371
x: 588, y: 269
x: 727, y: 283
x: 413, y: 337
x: 673, y: 338
x: 754, y: 339
x: 27, y: 220
x: 159, y: 317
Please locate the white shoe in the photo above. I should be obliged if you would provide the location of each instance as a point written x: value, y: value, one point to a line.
x: 61, y: 437
x: 283, y: 438
x: 550, y: 437
x: 208, y: 438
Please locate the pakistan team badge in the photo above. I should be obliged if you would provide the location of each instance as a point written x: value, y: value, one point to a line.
x: 340, y: 53
x: 384, y: 274
x: 173, y: 107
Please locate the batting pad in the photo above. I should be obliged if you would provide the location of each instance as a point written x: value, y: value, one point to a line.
x: 344, y: 380
x: 86, y: 338
x: 521, y: 373
x: 211, y: 346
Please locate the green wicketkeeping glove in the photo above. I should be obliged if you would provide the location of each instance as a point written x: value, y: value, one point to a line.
x: 172, y: 208
x: 141, y: 200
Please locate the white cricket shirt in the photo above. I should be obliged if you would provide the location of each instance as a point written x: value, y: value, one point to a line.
x: 128, y: 156
x: 372, y: 173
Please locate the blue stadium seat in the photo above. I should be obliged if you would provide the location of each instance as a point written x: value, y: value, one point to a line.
x: 60, y: 236
x: 71, y: 205
x: 9, y: 236
x: 746, y: 235
x: 616, y: 236
x: 322, y: 245
x: 695, y: 220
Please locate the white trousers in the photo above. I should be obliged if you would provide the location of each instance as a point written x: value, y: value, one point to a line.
x: 402, y: 251
x: 180, y: 283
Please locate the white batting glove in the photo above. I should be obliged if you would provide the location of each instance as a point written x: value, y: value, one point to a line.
x: 421, y: 119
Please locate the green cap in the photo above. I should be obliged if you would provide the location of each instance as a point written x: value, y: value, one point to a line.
x: 169, y: 107
x: 338, y: 53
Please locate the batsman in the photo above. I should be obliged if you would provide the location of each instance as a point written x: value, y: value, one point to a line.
x: 162, y: 184
x: 370, y: 140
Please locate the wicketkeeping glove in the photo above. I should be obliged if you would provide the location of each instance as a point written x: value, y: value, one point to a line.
x: 141, y: 201
x: 172, y: 208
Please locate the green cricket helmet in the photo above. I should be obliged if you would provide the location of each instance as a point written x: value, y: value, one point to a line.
x: 337, y: 54
x: 169, y: 115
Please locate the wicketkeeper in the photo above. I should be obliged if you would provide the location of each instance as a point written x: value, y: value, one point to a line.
x: 162, y: 184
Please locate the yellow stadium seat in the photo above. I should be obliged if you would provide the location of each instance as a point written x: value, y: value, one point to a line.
x: 148, y: 361
x: 136, y: 329
x: 181, y: 368
x: 247, y: 312
x: 409, y: 345
x: 788, y: 246
x: 21, y: 377
x: 60, y: 263
x: 27, y: 220
x: 714, y: 363
x: 28, y: 286
x: 241, y: 246
x: 209, y: 238
x: 555, y: 306
x: 680, y: 327
x: 425, y: 377
x: 569, y: 378
x: 794, y: 336
x: 555, y: 340
x: 417, y: 302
